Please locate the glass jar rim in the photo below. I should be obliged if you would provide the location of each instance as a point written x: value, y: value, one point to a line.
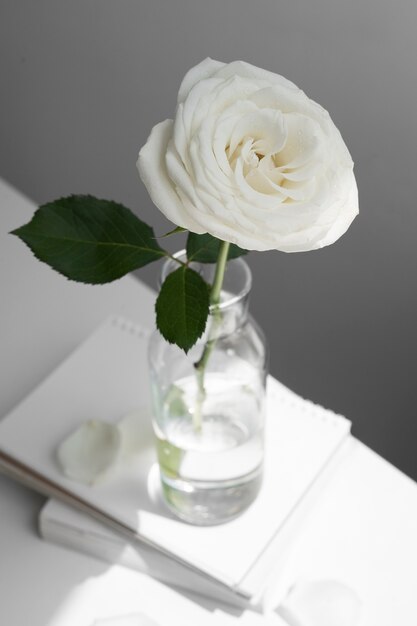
x: 224, y: 304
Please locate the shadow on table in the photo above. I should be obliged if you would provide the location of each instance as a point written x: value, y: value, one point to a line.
x: 56, y: 580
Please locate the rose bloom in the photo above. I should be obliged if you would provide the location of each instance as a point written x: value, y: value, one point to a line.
x: 250, y: 159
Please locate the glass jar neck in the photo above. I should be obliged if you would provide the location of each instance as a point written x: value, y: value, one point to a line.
x: 232, y: 310
x: 229, y: 316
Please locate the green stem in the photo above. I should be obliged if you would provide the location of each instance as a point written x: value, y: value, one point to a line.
x: 220, y: 270
x: 201, y: 364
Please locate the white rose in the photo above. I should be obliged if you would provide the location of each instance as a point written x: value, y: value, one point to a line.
x: 252, y: 160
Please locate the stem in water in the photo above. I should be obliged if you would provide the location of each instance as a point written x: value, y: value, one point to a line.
x: 201, y: 364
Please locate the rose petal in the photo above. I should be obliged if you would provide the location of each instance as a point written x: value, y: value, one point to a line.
x: 152, y: 169
x: 349, y: 209
x: 304, y: 142
x: 252, y: 160
x: 179, y: 175
x: 266, y: 127
x: 195, y: 107
x: 199, y: 72
x: 246, y: 70
x: 213, y: 97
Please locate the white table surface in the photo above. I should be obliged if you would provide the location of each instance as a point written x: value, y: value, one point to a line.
x: 363, y: 531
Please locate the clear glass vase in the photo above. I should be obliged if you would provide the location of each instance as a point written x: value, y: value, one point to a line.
x: 209, y: 426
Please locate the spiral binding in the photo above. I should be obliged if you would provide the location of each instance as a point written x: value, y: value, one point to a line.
x: 277, y: 392
x: 130, y: 327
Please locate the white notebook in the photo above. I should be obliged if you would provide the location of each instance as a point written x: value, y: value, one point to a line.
x: 105, y: 378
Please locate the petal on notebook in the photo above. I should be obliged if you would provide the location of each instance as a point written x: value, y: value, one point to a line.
x: 89, y: 451
x: 321, y: 603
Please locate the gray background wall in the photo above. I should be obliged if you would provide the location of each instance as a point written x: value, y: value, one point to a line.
x: 84, y: 81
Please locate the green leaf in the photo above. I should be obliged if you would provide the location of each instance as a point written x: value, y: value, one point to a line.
x: 205, y: 248
x: 174, y: 231
x: 90, y: 240
x: 182, y: 307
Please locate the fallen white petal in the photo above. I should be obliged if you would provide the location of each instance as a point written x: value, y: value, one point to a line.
x: 89, y: 451
x: 321, y: 603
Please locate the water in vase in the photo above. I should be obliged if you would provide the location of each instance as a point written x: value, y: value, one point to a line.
x: 210, y: 451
